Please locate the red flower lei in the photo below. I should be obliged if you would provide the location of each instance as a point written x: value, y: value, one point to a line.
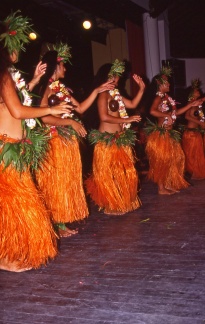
x: 167, y: 102
x: 61, y: 91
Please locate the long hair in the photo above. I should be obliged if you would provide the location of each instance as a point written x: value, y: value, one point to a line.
x: 149, y: 95
x: 50, y: 58
x: 102, y: 75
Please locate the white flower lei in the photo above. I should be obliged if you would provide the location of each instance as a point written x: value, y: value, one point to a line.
x: 201, y: 114
x: 122, y: 111
x: 164, y: 107
x: 21, y: 86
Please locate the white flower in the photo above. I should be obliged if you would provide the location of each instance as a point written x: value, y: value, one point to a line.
x: 16, y: 76
x: 70, y: 115
x: 59, y: 94
x: 27, y: 101
x: 172, y: 101
x: 20, y: 84
x: 31, y: 123
x: 160, y: 94
x: 122, y: 111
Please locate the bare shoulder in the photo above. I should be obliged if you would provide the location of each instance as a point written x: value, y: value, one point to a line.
x: 6, y: 78
x: 7, y: 85
x: 157, y: 100
x: 103, y: 96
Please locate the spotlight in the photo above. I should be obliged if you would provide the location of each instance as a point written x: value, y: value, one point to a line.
x: 87, y: 24
x: 32, y: 36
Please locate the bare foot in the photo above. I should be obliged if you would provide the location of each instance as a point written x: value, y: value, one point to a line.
x: 12, y: 266
x: 174, y: 190
x: 66, y: 232
x: 113, y: 213
x: 195, y: 178
x: 166, y: 192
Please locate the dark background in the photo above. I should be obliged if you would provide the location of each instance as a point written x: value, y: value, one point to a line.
x: 61, y: 20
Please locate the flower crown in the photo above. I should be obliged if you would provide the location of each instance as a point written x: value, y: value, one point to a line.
x: 63, y: 50
x: 17, y: 33
x: 166, y: 71
x: 117, y: 68
x: 195, y: 85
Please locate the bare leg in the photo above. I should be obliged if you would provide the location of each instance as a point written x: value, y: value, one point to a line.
x: 164, y: 191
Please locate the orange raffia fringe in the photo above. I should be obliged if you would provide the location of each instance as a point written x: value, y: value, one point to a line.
x: 114, y: 182
x: 60, y: 181
x: 26, y: 234
x: 166, y: 161
x: 193, y: 144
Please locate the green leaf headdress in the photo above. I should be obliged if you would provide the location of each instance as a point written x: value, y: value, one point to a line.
x: 118, y: 67
x: 166, y: 71
x: 17, y: 32
x: 195, y: 85
x: 64, y: 53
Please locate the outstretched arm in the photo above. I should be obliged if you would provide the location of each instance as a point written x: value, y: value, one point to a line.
x: 192, y: 118
x: 83, y: 106
x: 17, y: 110
x: 58, y: 121
x: 154, y: 111
x: 182, y: 110
x: 38, y: 73
x: 132, y: 104
x: 106, y: 117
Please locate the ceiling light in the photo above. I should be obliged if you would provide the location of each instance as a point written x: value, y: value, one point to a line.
x: 87, y: 24
x: 32, y: 36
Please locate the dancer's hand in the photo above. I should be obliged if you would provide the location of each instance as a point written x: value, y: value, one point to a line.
x: 167, y: 124
x: 134, y: 118
x: 60, y: 109
x: 139, y: 81
x: 79, y: 128
x: 197, y: 103
x: 109, y: 85
x: 40, y: 70
x: 38, y: 73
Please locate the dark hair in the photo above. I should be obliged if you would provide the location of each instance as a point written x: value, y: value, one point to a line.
x: 50, y: 58
x: 102, y: 75
x: 5, y: 60
x: 190, y: 90
x: 149, y: 95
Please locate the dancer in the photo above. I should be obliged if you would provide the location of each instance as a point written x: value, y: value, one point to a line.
x: 27, y: 238
x: 164, y: 151
x: 193, y: 140
x: 113, y: 184
x: 60, y: 178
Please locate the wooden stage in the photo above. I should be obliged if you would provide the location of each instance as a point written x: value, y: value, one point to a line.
x: 146, y: 267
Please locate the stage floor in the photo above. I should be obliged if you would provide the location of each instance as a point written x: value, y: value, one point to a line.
x: 146, y: 267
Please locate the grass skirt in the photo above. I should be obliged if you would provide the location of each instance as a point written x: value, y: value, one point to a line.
x: 193, y: 144
x: 60, y: 181
x: 26, y: 233
x: 166, y: 161
x: 113, y: 185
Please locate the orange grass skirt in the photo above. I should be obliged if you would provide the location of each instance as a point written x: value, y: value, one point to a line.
x: 113, y: 185
x: 60, y: 181
x: 193, y: 144
x: 166, y: 161
x: 26, y: 233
